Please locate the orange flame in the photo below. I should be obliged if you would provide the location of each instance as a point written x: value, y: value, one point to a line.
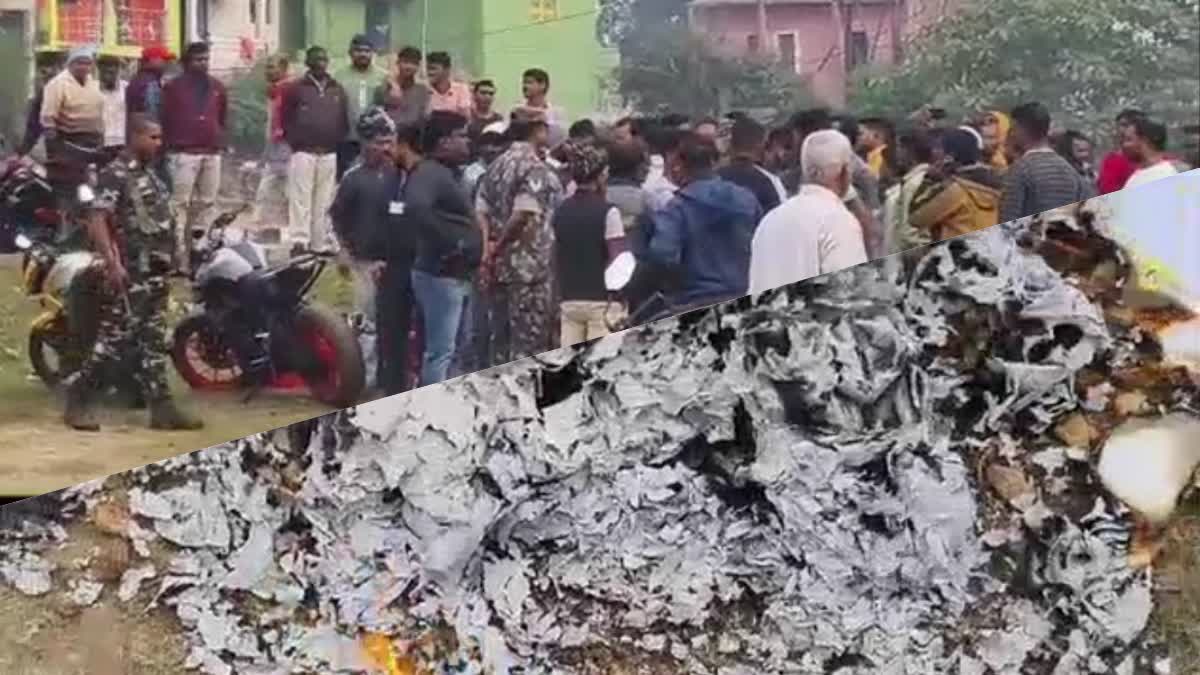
x: 382, y: 655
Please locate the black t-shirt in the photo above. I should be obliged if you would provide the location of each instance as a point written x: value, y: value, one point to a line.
x: 361, y: 208
x: 449, y: 243
x: 581, y: 226
x: 746, y: 174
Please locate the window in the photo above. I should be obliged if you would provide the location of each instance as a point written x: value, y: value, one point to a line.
x: 789, y: 51
x: 860, y: 49
x: 542, y: 11
x: 752, y: 43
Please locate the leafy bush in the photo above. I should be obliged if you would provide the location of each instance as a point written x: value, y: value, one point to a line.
x: 669, y: 68
x: 1085, y: 59
x: 248, y: 111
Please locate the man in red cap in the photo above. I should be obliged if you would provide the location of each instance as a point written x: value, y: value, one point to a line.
x: 143, y: 95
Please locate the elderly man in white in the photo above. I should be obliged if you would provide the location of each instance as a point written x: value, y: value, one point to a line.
x: 812, y: 233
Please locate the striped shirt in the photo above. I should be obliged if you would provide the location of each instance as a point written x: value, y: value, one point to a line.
x: 1040, y: 181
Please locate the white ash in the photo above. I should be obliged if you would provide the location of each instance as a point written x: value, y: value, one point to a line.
x: 778, y: 485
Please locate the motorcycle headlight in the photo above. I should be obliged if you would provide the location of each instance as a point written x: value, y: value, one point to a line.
x: 23, y: 242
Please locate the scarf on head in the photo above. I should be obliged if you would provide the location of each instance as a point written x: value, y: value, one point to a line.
x: 79, y: 53
x: 1003, y: 124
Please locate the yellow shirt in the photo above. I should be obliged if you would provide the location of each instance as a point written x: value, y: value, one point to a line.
x: 73, y: 108
x: 875, y: 160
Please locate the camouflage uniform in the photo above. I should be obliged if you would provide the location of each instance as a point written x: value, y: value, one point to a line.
x: 524, y: 309
x: 132, y: 330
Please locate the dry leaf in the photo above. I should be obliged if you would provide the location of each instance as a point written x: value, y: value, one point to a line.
x: 1145, y: 545
x: 112, y: 518
x: 112, y: 560
x: 1076, y: 431
x: 1009, y: 482
x: 1130, y: 403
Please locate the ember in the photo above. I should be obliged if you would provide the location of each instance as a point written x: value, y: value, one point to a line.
x: 381, y: 654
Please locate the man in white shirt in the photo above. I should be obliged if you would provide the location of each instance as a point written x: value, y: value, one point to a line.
x: 661, y: 142
x: 535, y: 86
x: 1144, y: 142
x: 812, y: 233
x: 112, y: 88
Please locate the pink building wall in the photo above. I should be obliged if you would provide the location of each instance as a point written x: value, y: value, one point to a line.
x: 818, y: 35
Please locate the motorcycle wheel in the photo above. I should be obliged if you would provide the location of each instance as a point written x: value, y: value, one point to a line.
x: 342, y: 374
x: 201, y: 357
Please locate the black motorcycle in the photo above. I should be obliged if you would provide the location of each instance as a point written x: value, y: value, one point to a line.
x: 27, y: 204
x: 255, y: 329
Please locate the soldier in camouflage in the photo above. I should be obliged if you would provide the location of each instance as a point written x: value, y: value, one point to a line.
x: 131, y: 229
x: 516, y: 202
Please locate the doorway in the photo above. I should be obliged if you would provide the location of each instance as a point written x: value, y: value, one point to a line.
x: 14, y: 81
x: 293, y: 26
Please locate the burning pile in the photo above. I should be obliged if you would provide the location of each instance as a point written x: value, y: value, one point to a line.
x: 888, y: 470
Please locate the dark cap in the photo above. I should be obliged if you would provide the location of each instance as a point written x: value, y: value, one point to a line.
x: 361, y: 41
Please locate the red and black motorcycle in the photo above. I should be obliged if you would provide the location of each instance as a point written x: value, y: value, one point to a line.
x: 254, y: 327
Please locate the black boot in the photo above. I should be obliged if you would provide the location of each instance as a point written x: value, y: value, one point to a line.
x: 78, y: 414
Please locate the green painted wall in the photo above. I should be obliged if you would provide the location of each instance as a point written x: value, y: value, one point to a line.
x: 332, y: 23
x: 566, y: 48
x: 497, y: 39
x: 453, y: 26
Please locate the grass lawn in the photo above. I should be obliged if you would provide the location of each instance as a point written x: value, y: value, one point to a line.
x: 38, y: 454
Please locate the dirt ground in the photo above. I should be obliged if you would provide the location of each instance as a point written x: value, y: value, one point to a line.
x: 1177, y: 617
x: 50, y: 635
x: 38, y: 454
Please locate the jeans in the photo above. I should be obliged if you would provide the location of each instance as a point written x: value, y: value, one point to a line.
x: 473, y: 341
x: 441, y: 300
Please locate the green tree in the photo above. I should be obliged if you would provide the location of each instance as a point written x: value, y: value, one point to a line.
x: 670, y: 68
x: 620, y: 21
x: 248, y: 110
x: 1085, y: 59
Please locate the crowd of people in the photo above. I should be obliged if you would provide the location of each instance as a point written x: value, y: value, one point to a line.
x: 493, y: 230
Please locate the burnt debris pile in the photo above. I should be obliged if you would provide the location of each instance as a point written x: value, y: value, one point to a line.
x: 887, y: 470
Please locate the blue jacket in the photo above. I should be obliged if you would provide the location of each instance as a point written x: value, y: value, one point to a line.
x: 704, y: 234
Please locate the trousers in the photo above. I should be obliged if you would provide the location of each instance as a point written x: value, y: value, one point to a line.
x: 131, y: 334
x: 312, y: 181
x: 442, y: 300
x: 394, y: 310
x: 195, y: 183
x: 524, y: 320
x: 584, y: 320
